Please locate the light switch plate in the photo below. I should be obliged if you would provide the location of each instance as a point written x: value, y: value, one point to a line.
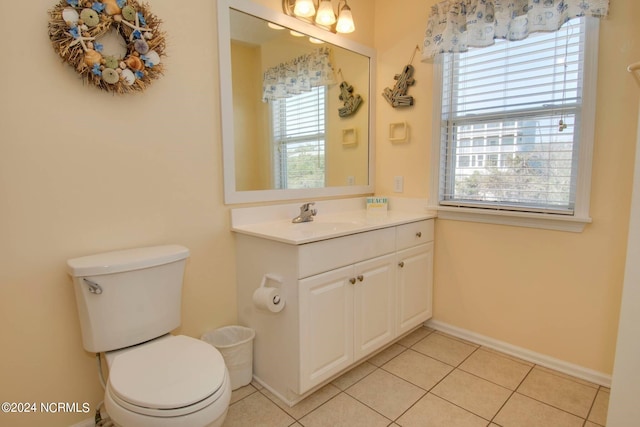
x: 398, y: 184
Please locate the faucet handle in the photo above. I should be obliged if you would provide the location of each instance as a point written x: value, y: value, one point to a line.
x: 307, y: 207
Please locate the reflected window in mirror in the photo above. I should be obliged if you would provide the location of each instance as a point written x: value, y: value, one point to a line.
x: 299, y: 139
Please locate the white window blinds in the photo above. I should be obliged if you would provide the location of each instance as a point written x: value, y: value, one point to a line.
x: 510, y: 123
x: 298, y: 124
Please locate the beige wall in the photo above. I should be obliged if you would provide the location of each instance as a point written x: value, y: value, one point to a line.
x: 552, y: 292
x: 83, y: 171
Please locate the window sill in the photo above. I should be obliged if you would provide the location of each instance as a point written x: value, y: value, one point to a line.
x: 517, y: 219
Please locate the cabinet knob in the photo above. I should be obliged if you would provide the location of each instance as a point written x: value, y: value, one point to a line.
x: 360, y: 278
x: 419, y: 234
x: 401, y: 264
x: 352, y: 280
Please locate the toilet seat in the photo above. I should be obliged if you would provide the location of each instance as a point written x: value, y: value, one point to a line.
x: 169, y: 377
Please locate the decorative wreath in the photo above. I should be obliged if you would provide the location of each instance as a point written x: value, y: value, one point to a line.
x: 75, y: 30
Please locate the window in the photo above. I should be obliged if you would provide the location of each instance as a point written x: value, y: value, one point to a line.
x: 527, y: 107
x: 298, y: 135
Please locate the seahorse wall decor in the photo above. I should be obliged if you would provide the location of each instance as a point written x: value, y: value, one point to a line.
x: 397, y: 96
x: 351, y: 102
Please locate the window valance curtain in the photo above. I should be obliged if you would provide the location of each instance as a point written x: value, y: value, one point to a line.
x: 455, y: 25
x: 298, y: 75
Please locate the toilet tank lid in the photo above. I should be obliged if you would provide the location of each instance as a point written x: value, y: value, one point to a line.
x: 125, y: 260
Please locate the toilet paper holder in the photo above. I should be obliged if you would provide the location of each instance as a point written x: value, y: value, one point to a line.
x: 269, y: 297
x: 272, y: 277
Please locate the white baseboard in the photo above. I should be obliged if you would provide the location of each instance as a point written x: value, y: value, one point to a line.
x: 577, y: 371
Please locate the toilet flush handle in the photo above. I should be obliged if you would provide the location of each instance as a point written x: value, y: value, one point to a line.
x: 94, y: 288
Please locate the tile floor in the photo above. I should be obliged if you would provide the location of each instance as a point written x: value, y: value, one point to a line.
x: 430, y: 379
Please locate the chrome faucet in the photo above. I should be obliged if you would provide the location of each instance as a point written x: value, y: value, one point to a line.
x: 306, y: 213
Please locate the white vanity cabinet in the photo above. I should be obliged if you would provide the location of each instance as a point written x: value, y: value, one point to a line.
x: 345, y: 298
x: 345, y: 314
x: 414, y: 281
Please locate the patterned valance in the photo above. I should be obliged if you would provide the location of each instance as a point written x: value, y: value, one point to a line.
x: 455, y: 25
x: 298, y: 75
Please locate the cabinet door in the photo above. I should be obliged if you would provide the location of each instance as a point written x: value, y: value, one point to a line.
x: 374, y: 310
x: 414, y: 286
x: 326, y: 325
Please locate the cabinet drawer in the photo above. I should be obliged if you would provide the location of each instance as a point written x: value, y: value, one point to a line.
x: 326, y: 255
x: 415, y: 233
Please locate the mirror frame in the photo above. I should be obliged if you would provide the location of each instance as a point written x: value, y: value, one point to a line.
x: 231, y: 196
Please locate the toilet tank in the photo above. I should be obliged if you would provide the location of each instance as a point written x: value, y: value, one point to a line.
x: 128, y: 297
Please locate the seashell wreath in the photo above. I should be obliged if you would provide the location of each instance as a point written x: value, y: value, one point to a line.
x: 77, y: 26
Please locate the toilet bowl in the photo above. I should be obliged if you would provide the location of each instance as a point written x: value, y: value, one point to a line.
x: 169, y: 381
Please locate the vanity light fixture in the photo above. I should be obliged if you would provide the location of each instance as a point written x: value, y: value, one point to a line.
x: 304, y: 8
x: 325, y: 15
x: 345, y: 20
x: 320, y: 13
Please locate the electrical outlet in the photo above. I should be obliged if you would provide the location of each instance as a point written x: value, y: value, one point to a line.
x: 398, y: 184
x: 351, y: 180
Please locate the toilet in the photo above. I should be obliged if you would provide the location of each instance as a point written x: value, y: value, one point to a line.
x: 128, y: 303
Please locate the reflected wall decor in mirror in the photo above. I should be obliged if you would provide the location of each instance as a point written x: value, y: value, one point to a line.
x: 289, y: 128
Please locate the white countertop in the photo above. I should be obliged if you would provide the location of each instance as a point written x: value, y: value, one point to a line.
x: 326, y: 225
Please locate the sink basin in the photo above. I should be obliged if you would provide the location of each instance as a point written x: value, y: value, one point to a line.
x: 324, y: 227
x: 316, y: 227
x: 303, y: 232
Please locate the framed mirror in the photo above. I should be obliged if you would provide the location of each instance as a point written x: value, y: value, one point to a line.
x: 286, y: 136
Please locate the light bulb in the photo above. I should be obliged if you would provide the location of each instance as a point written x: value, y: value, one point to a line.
x: 345, y: 21
x: 274, y: 26
x: 325, y: 14
x: 304, y: 8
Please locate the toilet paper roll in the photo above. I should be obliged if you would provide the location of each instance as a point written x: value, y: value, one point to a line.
x: 268, y: 299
